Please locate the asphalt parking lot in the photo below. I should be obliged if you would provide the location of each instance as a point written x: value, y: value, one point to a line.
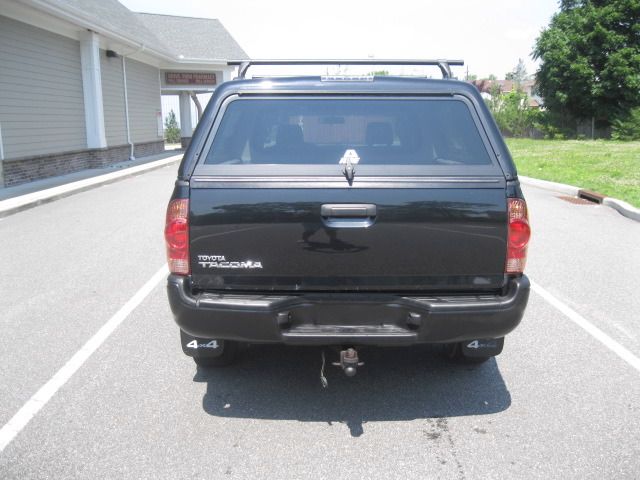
x: 560, y: 402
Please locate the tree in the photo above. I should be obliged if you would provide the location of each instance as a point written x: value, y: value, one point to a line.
x: 511, y: 111
x: 494, y: 102
x: 171, y: 128
x: 590, y: 60
x: 518, y: 74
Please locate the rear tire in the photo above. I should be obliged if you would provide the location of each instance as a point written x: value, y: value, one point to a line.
x: 453, y: 352
x: 230, y: 354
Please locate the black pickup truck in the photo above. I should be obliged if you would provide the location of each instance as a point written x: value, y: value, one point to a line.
x: 346, y: 211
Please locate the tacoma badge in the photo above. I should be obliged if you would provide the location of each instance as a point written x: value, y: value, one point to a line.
x: 219, y: 261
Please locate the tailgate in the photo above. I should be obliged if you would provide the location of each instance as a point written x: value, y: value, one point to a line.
x: 391, y: 240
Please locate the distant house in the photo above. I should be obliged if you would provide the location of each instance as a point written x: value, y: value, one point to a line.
x: 486, y: 86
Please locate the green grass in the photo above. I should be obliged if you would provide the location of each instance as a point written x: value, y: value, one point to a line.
x: 605, y: 166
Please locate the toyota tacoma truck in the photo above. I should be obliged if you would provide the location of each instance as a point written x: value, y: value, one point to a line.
x: 346, y: 211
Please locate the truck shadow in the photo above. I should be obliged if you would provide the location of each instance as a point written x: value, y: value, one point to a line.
x: 395, y: 384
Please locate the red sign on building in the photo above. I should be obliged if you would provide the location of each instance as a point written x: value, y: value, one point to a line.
x: 189, y: 78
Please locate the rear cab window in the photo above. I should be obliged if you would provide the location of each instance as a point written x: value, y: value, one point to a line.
x: 388, y: 136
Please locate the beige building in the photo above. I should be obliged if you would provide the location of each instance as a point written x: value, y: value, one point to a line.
x: 81, y: 82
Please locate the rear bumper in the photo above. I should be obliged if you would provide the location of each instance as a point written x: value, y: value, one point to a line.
x: 335, y: 319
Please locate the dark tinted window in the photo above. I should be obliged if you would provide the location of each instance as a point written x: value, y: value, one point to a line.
x: 319, y: 132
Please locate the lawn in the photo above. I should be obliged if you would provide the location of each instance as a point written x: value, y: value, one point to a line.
x: 605, y: 166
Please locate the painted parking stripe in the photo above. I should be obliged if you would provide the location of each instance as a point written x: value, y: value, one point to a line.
x: 589, y: 327
x: 49, y: 389
x: 20, y: 420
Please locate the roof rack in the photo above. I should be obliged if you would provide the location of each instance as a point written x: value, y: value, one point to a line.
x: 443, y: 64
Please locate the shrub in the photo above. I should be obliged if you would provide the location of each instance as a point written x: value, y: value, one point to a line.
x: 171, y: 128
x: 627, y: 128
x: 553, y: 126
x: 512, y: 112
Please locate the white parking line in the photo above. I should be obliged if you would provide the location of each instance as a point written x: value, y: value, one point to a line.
x: 49, y: 389
x: 589, y: 327
x: 20, y: 420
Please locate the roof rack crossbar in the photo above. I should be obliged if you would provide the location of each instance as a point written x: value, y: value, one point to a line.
x: 443, y: 64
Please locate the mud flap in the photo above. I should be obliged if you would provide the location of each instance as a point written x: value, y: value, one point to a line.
x: 485, y: 347
x: 201, y: 347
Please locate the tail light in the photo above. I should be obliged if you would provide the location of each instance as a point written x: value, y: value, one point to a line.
x: 176, y: 235
x: 518, y: 235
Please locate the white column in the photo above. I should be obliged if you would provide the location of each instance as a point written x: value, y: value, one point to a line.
x: 1, y: 159
x: 92, y: 89
x: 186, y: 130
x: 227, y: 75
x: 1, y: 148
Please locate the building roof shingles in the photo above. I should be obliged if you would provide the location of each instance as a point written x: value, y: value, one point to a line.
x: 195, y: 38
x: 178, y: 37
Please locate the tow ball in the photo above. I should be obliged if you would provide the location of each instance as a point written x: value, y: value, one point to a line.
x: 349, y: 362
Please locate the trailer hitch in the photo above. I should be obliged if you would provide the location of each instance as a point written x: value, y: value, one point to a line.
x: 349, y: 362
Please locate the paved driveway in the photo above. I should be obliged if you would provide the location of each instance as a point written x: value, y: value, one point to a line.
x: 560, y: 402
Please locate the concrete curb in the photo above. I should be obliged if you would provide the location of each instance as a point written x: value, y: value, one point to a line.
x: 556, y: 187
x: 30, y: 200
x: 621, y: 207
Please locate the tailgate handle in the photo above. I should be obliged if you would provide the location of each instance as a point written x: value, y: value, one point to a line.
x: 348, y: 215
x: 348, y: 210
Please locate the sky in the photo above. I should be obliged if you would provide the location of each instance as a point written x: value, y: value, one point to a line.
x: 489, y: 35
